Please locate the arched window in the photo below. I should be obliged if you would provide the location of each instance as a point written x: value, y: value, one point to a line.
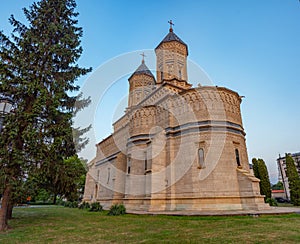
x: 201, y: 161
x: 128, y: 164
x: 237, y: 157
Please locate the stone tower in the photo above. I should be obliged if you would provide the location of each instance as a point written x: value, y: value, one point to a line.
x: 141, y: 84
x: 171, y: 60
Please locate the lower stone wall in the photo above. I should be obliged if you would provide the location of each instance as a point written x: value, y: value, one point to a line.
x: 190, y: 204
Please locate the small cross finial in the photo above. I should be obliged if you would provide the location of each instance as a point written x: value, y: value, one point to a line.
x: 143, y: 60
x: 171, y: 23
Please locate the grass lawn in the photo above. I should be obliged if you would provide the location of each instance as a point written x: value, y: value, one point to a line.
x: 52, y: 224
x: 287, y: 205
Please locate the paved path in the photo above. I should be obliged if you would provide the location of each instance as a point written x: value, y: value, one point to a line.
x: 271, y: 211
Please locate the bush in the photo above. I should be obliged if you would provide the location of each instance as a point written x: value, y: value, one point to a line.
x: 296, y: 202
x: 69, y: 204
x: 84, y: 205
x: 272, y: 202
x: 60, y: 202
x: 66, y: 204
x: 117, y: 209
x: 96, y: 207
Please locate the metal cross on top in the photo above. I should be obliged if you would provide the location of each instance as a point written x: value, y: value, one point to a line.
x: 143, y: 54
x: 171, y: 23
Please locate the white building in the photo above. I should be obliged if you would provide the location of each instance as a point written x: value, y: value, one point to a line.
x: 282, y: 171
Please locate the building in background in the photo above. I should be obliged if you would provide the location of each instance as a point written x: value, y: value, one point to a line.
x: 282, y: 171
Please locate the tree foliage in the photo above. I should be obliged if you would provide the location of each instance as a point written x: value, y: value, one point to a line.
x: 78, y: 133
x: 277, y: 186
x: 65, y: 178
x: 38, y: 71
x: 261, y: 172
x: 293, y: 179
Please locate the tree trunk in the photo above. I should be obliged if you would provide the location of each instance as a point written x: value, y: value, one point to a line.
x: 54, y: 199
x: 10, y: 210
x: 4, y: 208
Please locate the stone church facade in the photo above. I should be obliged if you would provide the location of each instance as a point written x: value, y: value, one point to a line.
x: 177, y: 147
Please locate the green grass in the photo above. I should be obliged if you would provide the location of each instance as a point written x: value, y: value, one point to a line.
x: 51, y: 224
x: 290, y: 205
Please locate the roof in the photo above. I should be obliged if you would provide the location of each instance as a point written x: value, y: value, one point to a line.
x: 291, y: 154
x: 171, y: 36
x: 277, y: 191
x: 142, y: 69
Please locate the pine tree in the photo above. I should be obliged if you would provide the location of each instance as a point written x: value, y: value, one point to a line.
x: 261, y: 172
x: 80, y: 141
x: 293, y: 179
x: 38, y: 71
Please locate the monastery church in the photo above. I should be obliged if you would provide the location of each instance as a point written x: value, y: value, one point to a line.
x: 177, y: 147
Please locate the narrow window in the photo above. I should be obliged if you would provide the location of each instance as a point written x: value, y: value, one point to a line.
x: 162, y: 75
x: 128, y: 164
x: 98, y: 175
x: 146, y: 166
x: 180, y: 74
x: 237, y: 157
x: 201, y: 158
x: 138, y: 97
x: 96, y: 191
x: 108, y: 175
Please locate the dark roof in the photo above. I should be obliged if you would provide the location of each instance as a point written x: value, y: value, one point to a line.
x: 171, y: 36
x: 142, y: 69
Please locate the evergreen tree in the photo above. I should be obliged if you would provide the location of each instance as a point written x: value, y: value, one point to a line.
x: 293, y: 179
x: 261, y: 172
x: 255, y: 168
x: 38, y: 71
x: 80, y: 141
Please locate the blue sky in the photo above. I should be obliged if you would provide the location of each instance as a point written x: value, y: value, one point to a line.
x: 252, y: 47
